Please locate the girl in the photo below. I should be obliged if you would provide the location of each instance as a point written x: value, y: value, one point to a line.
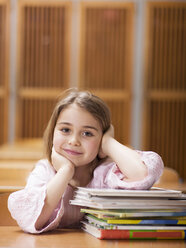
x: 81, y: 151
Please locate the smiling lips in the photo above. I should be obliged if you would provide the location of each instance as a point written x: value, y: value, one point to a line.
x: 71, y: 152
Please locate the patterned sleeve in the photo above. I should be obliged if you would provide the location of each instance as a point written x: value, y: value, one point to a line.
x: 26, y: 205
x: 108, y: 174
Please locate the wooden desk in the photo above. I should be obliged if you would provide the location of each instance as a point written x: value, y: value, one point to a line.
x: 173, y: 186
x: 13, y: 174
x: 5, y: 216
x: 14, y: 237
x: 28, y: 149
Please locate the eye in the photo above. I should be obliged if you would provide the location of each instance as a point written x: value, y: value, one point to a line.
x: 65, y: 130
x: 87, y: 134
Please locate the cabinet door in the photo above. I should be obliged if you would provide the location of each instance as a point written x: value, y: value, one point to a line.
x: 165, y: 83
x: 43, y: 62
x: 106, y: 55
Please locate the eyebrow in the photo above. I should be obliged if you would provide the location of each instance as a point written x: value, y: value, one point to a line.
x: 69, y: 124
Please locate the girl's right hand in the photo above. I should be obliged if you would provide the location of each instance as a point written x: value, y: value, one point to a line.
x: 59, y: 161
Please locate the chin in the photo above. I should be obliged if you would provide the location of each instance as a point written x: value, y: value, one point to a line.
x: 79, y: 165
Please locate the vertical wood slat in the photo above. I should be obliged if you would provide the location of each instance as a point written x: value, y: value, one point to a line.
x: 4, y: 68
x: 32, y: 110
x: 43, y: 62
x: 165, y: 83
x: 103, y: 28
x: 106, y: 58
x: 46, y: 42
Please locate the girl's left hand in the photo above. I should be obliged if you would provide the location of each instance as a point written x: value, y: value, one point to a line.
x: 109, y: 134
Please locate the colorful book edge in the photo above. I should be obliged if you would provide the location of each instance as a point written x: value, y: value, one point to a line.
x: 133, y: 234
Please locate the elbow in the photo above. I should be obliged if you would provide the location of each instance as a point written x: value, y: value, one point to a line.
x: 154, y: 165
x: 139, y: 175
x: 158, y: 165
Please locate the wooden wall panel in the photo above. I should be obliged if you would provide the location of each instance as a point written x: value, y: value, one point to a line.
x: 36, y: 113
x: 106, y: 57
x: 4, y: 53
x: 121, y: 118
x: 43, y: 61
x: 165, y: 83
x: 167, y: 133
x: 2, y: 116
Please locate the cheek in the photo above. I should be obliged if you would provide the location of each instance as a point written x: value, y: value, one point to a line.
x: 94, y: 147
x: 57, y: 139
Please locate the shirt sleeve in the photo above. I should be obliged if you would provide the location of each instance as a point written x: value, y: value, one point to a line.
x: 108, y: 174
x: 26, y: 205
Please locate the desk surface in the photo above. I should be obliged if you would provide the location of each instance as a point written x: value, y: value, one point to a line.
x: 14, y: 237
x: 26, y: 149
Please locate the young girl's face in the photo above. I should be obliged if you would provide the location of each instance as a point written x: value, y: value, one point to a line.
x: 77, y: 135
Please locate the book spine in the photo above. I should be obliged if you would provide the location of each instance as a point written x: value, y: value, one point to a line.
x: 147, y: 234
x: 148, y: 222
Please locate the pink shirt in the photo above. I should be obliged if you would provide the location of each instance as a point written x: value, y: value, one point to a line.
x: 26, y: 205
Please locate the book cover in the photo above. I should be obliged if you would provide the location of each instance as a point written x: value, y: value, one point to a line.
x: 133, y: 234
x: 105, y: 225
x: 113, y: 204
x: 123, y: 213
x: 147, y: 221
x: 152, y: 192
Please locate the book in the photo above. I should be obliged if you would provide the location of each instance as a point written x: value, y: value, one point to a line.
x: 162, y: 221
x: 133, y: 213
x: 129, y: 199
x: 116, y: 213
x: 129, y: 204
x: 119, y: 223
x: 135, y: 227
x: 133, y: 234
x: 152, y: 192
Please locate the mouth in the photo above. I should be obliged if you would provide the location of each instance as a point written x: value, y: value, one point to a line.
x: 72, y: 152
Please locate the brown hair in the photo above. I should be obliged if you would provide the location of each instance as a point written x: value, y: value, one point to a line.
x: 83, y: 99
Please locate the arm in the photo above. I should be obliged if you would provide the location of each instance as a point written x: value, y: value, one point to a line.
x: 128, y: 160
x: 56, y: 187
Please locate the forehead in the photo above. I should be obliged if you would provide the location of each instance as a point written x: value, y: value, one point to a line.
x: 78, y: 116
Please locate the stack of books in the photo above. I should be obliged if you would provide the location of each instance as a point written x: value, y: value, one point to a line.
x: 132, y: 214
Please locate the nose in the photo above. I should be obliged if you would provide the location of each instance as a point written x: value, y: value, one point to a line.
x: 74, y: 141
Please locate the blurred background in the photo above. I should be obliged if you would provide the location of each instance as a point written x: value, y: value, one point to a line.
x: 130, y: 53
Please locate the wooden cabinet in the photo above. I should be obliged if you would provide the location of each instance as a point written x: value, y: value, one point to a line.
x: 42, y: 62
x: 165, y: 83
x: 106, y: 58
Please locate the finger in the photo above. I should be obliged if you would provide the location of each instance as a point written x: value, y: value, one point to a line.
x: 54, y: 152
